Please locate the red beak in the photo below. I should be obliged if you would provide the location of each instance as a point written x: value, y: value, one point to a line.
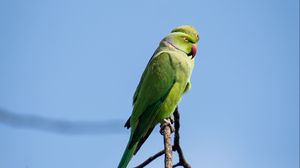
x: 194, y: 50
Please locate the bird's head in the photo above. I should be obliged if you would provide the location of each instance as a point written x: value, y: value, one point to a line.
x: 185, y: 39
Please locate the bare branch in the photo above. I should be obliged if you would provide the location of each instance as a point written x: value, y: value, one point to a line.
x: 167, y: 144
x: 175, y: 147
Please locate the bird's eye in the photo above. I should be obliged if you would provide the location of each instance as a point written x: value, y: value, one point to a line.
x: 185, y: 39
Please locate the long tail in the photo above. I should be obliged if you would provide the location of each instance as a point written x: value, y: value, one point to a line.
x: 127, y: 155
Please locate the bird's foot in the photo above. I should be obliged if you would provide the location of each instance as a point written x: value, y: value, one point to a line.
x: 171, y: 118
x: 167, y: 123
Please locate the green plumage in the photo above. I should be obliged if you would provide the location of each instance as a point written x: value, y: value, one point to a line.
x: 165, y: 79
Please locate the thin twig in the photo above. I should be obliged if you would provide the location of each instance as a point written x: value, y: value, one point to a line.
x: 177, y: 147
x: 150, y: 159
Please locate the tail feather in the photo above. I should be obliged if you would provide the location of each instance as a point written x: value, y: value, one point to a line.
x: 127, y: 155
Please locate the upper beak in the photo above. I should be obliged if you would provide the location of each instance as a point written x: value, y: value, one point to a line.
x: 194, y: 50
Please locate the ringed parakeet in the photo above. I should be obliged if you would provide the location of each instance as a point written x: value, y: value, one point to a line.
x: 163, y: 82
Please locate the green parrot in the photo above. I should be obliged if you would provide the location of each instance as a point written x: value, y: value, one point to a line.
x: 165, y: 79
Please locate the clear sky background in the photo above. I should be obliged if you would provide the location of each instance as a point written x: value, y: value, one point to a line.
x: 82, y: 60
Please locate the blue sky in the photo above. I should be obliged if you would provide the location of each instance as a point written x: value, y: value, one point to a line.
x: 81, y: 60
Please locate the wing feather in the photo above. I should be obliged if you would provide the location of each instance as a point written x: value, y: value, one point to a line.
x: 156, y: 83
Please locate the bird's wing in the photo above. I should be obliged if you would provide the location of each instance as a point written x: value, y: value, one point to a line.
x: 155, y: 85
x: 141, y: 81
x: 127, y: 124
